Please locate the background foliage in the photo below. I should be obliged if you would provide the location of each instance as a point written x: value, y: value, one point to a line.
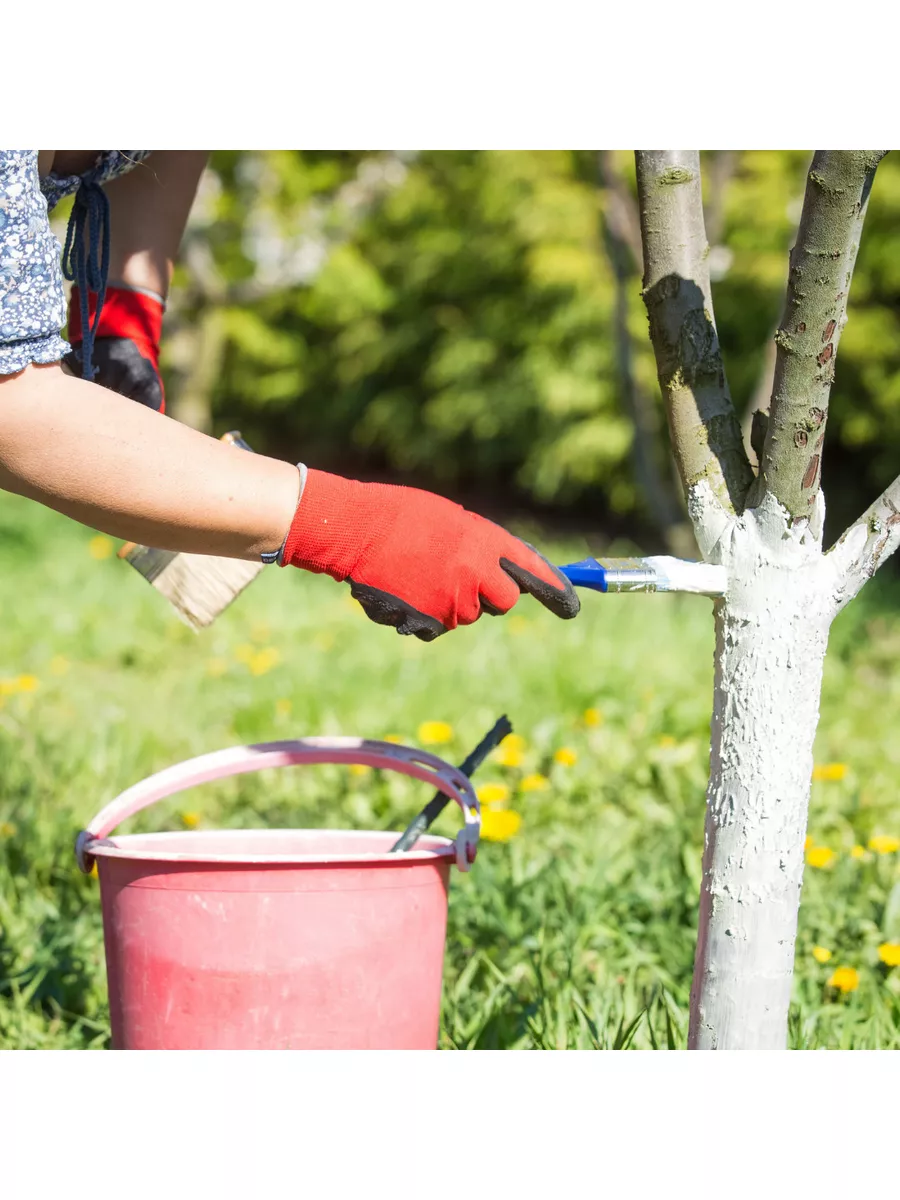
x: 451, y: 317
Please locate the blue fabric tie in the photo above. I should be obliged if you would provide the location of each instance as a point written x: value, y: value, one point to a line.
x: 88, y: 267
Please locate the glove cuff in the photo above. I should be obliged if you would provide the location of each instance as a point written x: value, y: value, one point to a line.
x: 324, y: 536
x: 126, y: 313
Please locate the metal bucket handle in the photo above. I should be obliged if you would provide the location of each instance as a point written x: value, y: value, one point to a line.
x: 239, y: 760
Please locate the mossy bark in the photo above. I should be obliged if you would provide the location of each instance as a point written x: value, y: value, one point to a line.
x: 706, y: 435
x: 654, y: 475
x: 815, y: 313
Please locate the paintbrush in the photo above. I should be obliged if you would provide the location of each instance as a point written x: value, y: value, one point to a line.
x: 658, y: 573
x: 439, y: 801
x: 198, y: 586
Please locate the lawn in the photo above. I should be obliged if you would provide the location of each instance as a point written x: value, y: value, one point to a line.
x: 576, y: 927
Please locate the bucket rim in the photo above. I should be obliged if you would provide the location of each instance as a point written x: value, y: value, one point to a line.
x: 112, y: 847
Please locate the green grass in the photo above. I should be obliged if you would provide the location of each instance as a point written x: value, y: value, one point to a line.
x: 577, y: 932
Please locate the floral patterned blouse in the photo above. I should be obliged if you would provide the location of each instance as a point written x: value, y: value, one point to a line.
x: 32, y: 300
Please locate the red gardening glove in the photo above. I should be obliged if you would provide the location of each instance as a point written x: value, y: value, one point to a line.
x: 415, y: 560
x: 126, y: 349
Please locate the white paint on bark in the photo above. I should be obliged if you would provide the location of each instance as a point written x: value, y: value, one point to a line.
x: 710, y: 520
x: 771, y: 636
x: 868, y: 543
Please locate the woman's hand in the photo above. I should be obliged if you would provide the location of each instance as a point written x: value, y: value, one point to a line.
x: 149, y: 208
x: 415, y: 560
x: 126, y: 350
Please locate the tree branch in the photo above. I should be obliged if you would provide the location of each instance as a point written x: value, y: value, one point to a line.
x: 755, y: 421
x: 822, y: 261
x: 721, y: 172
x: 706, y: 435
x: 867, y: 543
x: 621, y: 212
x: 622, y: 235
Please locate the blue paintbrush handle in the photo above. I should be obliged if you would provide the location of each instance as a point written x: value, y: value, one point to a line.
x: 588, y: 573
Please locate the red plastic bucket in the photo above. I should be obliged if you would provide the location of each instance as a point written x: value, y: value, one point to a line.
x: 276, y: 939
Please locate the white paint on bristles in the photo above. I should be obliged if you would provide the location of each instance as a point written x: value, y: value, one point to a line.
x: 679, y: 575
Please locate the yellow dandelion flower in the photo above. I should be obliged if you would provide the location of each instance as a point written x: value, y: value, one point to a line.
x: 359, y: 770
x: 94, y: 873
x: 27, y: 683
x: 667, y: 742
x: 565, y: 756
x: 846, y: 979
x: 8, y: 687
x: 510, y: 751
x: 7, y: 829
x: 190, y: 820
x: 858, y: 852
x: 283, y: 707
x: 534, y: 783
x: 216, y: 667
x: 809, y: 842
x: 263, y: 661
x: 435, y: 733
x: 820, y: 954
x: 889, y: 953
x: 244, y: 652
x: 393, y: 738
x: 493, y: 793
x: 58, y: 665
x: 592, y: 717
x: 100, y: 547
x: 884, y: 844
x: 820, y: 856
x: 508, y: 756
x: 500, y: 825
x: 830, y: 772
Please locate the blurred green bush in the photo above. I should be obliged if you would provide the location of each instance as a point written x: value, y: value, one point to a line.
x: 451, y: 316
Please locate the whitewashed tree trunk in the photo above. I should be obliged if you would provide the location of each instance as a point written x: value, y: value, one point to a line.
x: 783, y: 593
x: 771, y: 635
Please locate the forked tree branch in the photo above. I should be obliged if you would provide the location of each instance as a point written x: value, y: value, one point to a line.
x: 868, y: 543
x: 706, y: 435
x: 822, y: 261
x: 622, y: 236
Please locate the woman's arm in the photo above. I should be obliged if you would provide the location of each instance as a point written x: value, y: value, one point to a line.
x: 414, y: 560
x: 118, y: 467
x: 149, y: 208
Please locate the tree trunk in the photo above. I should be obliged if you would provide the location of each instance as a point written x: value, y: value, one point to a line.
x: 783, y: 592
x: 771, y: 636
